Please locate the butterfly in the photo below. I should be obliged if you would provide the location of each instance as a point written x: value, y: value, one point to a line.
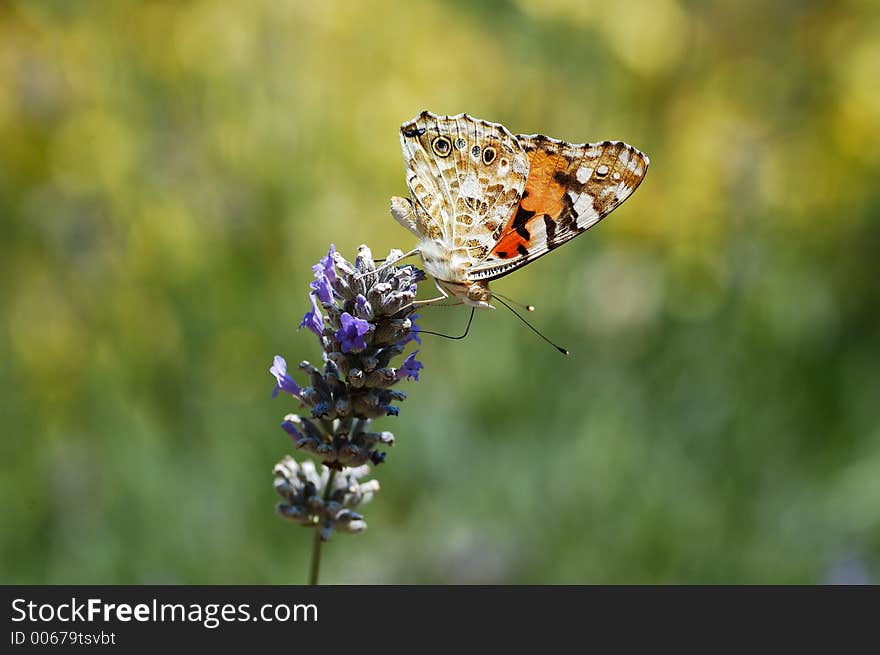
x: 483, y: 202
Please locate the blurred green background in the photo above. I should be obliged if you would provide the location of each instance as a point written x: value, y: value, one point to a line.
x: 169, y: 171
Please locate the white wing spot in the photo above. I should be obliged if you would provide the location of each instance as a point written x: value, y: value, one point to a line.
x: 616, y: 175
x: 499, y: 215
x: 470, y: 188
x: 602, y: 170
x: 584, y: 173
x: 583, y: 206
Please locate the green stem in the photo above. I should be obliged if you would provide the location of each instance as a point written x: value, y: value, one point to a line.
x: 317, y: 543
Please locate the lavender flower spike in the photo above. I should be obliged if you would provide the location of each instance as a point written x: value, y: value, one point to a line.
x: 364, y: 319
x: 365, y: 327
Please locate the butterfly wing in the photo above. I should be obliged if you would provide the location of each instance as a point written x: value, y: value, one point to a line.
x: 570, y: 188
x: 465, y: 176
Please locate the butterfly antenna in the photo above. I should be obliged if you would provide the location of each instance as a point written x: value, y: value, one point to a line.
x: 528, y: 308
x: 531, y: 327
x: 446, y: 336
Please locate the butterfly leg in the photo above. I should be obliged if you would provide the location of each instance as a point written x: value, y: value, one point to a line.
x: 443, y: 296
x: 421, y: 303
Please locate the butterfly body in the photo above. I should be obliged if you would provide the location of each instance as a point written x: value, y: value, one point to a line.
x: 484, y: 202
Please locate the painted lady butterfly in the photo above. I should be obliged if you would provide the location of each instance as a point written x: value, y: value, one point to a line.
x: 486, y: 202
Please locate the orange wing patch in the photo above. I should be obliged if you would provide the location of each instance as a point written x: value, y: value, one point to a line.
x: 569, y: 189
x: 544, y: 197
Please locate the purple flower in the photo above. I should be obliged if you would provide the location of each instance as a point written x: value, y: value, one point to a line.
x: 285, y: 382
x: 290, y: 428
x: 410, y: 368
x: 363, y: 306
x: 351, y: 335
x: 413, y: 332
x: 314, y: 320
x: 326, y: 266
x: 321, y: 287
x: 325, y: 277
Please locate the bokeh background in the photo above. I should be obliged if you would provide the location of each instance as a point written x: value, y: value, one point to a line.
x: 169, y: 171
